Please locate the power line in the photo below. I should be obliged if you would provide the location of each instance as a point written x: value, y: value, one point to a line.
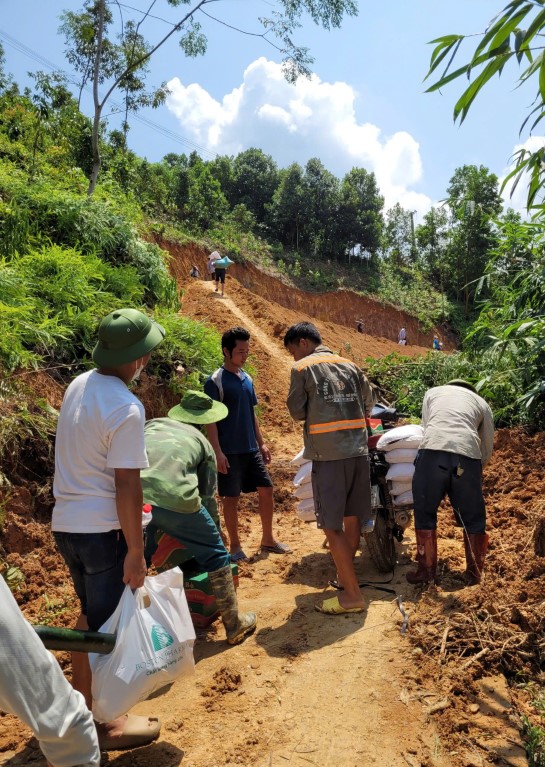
x: 25, y: 50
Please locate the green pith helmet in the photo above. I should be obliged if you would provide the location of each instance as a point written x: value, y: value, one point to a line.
x: 124, y: 336
x: 463, y: 384
x: 198, y: 407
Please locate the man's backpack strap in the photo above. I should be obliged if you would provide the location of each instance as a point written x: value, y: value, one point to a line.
x: 216, y: 378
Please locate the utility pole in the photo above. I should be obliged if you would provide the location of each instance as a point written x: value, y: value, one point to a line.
x: 412, y: 214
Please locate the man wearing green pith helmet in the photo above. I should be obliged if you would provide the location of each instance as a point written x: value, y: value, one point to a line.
x: 97, y: 518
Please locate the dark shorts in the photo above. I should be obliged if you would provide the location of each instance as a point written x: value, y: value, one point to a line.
x: 246, y: 473
x: 219, y: 275
x: 436, y: 475
x: 341, y: 489
x: 95, y: 561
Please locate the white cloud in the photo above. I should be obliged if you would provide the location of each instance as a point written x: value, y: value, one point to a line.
x: 296, y: 122
x: 519, y: 197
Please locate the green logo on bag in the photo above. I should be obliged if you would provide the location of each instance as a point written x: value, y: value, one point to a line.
x: 160, y: 638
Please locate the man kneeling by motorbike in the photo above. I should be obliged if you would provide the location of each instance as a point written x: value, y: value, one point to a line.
x: 457, y: 443
x: 180, y: 485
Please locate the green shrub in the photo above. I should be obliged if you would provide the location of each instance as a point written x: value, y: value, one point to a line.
x: 189, y: 344
x: 405, y: 381
x: 44, y: 213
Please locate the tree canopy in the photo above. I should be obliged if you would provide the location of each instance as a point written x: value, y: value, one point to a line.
x: 111, y: 53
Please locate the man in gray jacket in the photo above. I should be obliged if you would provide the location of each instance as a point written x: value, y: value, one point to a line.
x: 457, y: 443
x: 331, y: 395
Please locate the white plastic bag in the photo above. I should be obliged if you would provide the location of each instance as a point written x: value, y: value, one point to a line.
x: 154, y: 645
x: 304, y: 474
x: 304, y: 491
x: 305, y: 510
x: 299, y: 460
x: 401, y: 437
x: 402, y: 455
x: 402, y: 472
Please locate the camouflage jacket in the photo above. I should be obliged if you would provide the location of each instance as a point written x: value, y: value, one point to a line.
x: 182, y: 473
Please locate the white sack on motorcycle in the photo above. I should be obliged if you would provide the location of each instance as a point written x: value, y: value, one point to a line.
x: 402, y: 472
x: 408, y: 436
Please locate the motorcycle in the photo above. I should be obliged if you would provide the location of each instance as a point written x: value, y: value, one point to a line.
x: 389, y: 522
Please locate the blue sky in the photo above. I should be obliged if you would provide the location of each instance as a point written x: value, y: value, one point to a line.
x: 365, y: 106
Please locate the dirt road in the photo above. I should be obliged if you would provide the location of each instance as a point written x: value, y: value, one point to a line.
x: 308, y: 689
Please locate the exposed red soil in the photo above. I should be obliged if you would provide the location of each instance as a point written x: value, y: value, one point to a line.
x: 342, y: 307
x: 341, y: 691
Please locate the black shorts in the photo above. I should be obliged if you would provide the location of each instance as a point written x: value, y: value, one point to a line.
x: 439, y: 473
x: 219, y: 275
x: 341, y: 489
x: 96, y: 562
x: 246, y: 473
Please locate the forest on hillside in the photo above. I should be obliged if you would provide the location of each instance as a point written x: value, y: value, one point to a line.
x: 78, y: 209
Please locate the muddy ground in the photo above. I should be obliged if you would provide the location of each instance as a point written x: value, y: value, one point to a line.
x: 309, y: 689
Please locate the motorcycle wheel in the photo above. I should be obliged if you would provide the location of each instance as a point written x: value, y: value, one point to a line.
x: 381, y: 544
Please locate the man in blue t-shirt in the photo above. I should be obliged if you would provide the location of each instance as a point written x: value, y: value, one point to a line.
x: 241, y: 452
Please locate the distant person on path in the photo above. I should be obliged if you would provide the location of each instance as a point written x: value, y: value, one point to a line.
x: 211, y: 267
x: 402, y: 337
x: 97, y: 518
x: 194, y: 271
x: 238, y: 443
x: 33, y: 687
x: 332, y: 396
x: 359, y: 326
x: 220, y: 278
x: 181, y: 484
x: 457, y: 443
x: 437, y: 345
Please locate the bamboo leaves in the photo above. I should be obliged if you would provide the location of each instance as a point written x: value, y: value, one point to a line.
x: 515, y: 34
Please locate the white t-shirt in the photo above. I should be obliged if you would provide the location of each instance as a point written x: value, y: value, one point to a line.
x: 101, y: 428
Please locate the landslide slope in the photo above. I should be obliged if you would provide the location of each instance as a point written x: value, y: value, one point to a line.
x: 307, y: 689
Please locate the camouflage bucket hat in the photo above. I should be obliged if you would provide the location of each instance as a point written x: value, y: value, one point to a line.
x: 124, y: 336
x: 198, y: 407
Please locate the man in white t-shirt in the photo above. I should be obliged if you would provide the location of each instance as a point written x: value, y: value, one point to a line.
x: 97, y: 518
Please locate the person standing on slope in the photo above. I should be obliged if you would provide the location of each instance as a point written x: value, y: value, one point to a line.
x: 240, y: 448
x: 332, y: 396
x: 97, y: 518
x: 458, y: 441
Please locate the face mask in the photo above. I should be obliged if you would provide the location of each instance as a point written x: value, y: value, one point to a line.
x: 136, y: 374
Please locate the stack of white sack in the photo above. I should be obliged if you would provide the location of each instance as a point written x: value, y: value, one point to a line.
x: 400, y: 446
x: 303, y: 488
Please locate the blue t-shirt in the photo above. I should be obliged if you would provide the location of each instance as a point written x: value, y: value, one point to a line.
x: 236, y: 432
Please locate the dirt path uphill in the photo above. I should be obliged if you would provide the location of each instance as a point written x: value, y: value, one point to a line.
x: 306, y: 688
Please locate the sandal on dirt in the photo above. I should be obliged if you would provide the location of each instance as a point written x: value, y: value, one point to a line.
x: 335, y: 585
x: 334, y: 607
x: 137, y: 731
x: 277, y: 548
x: 239, y: 556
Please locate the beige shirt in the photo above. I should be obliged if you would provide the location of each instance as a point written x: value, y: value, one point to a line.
x: 458, y: 421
